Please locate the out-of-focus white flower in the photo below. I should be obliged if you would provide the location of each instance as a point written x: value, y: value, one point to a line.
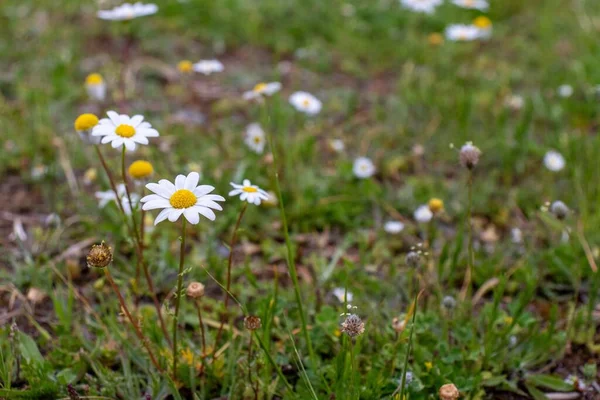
x: 122, y: 130
x: 363, y: 168
x: 423, y: 6
x: 95, y: 87
x: 306, y: 103
x: 516, y: 235
x: 484, y: 24
x: 472, y: 4
x: 462, y: 32
x: 184, y: 197
x: 339, y: 293
x: 393, y: 227
x: 207, y: 67
x: 262, y: 89
x: 255, y: 138
x: 423, y: 214
x: 337, y: 145
x: 515, y: 102
x: 249, y: 192
x: 106, y: 197
x: 565, y: 91
x: 554, y: 161
x: 128, y: 11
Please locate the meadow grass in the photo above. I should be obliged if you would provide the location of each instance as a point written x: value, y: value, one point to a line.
x: 525, y: 325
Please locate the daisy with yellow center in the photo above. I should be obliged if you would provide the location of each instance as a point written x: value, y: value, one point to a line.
x: 184, y: 197
x: 306, y: 103
x: 435, y: 205
x: 122, y: 130
x: 85, y: 122
x: 255, y: 138
x: 472, y: 4
x: 249, y: 192
x: 95, y: 86
x: 262, y: 89
x: 484, y: 24
x: 207, y: 67
x: 185, y: 66
x: 140, y: 169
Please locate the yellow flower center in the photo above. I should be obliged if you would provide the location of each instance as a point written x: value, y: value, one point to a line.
x: 94, y: 79
x: 436, y: 39
x: 436, y: 205
x: 185, y: 66
x: 249, y: 189
x: 482, y: 22
x: 306, y: 102
x: 125, y: 131
x: 183, y: 198
x: 140, y: 169
x: 257, y: 139
x: 85, y: 122
x: 260, y: 87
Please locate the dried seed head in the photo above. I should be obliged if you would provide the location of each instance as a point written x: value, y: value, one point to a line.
x: 99, y: 256
x: 252, y: 322
x: 449, y: 302
x: 449, y: 392
x: 413, y: 259
x: 559, y: 209
x: 353, y: 326
x: 469, y: 155
x: 195, y: 290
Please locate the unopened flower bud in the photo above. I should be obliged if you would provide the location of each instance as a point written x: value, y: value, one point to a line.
x: 469, y: 155
x: 252, y: 322
x: 195, y: 290
x: 449, y: 392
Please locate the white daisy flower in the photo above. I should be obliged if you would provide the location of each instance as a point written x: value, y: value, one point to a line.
x: 128, y: 11
x: 249, y: 192
x: 554, y: 161
x: 516, y: 235
x: 306, y: 103
x: 95, y: 87
x: 122, y: 130
x: 207, y: 67
x: 255, y: 138
x: 337, y: 145
x: 106, y: 197
x: 462, y: 32
x: 184, y: 197
x: 339, y: 293
x: 565, y: 91
x: 515, y: 102
x: 423, y: 214
x: 363, y: 168
x: 262, y: 89
x: 472, y: 4
x: 393, y: 227
x: 422, y: 6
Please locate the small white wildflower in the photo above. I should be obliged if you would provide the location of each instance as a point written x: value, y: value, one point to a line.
x: 340, y: 293
x: 565, y: 91
x: 262, y: 89
x: 423, y: 214
x: 128, y: 11
x: 337, y: 145
x: 255, y: 138
x: 481, y: 5
x: 363, y: 168
x: 249, y: 192
x: 207, y: 67
x: 306, y: 103
x: 554, y: 161
x: 393, y: 227
x: 462, y: 33
x: 422, y: 6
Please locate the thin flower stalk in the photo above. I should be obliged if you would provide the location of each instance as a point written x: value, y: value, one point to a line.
x: 466, y: 288
x: 201, y: 323
x: 136, y: 328
x: 178, y: 296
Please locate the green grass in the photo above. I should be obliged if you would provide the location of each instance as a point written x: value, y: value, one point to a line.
x: 385, y: 89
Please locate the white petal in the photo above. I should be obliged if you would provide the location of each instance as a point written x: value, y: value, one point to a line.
x: 179, y: 182
x: 140, y: 139
x: 207, y: 212
x: 148, y: 132
x: 129, y: 144
x: 209, y: 204
x: 114, y: 117
x: 192, y: 216
x: 175, y: 214
x: 213, y: 197
x: 162, y: 215
x: 161, y: 189
x: 151, y: 197
x: 191, y: 181
x: 246, y: 182
x: 203, y: 189
x: 154, y: 204
x: 235, y: 192
x: 118, y: 142
x: 244, y: 196
x: 107, y: 139
x: 136, y: 120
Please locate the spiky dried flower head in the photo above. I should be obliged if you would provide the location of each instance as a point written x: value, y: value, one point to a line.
x: 469, y: 155
x: 252, y: 322
x: 449, y: 392
x: 353, y: 326
x: 195, y: 290
x: 435, y: 205
x: 140, y: 169
x: 413, y: 259
x: 559, y: 209
x: 100, y: 256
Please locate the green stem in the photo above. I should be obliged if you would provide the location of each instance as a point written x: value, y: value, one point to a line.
x: 178, y: 297
x: 124, y: 173
x: 412, y: 330
x: 466, y: 289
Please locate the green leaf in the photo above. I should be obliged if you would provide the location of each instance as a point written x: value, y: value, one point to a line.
x: 29, y: 349
x: 535, y: 393
x: 549, y: 382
